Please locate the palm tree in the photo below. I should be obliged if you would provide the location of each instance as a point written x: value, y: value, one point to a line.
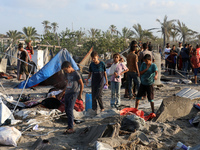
x: 30, y: 33
x: 107, y: 35
x: 47, y: 27
x: 198, y: 37
x: 79, y: 34
x: 174, y: 33
x: 14, y: 35
x: 93, y: 32
x: 166, y: 27
x: 54, y: 26
x: 113, y: 29
x: 126, y: 35
x: 140, y: 33
x: 184, y: 31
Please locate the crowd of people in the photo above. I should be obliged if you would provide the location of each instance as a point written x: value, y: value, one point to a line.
x: 140, y: 69
x: 183, y: 59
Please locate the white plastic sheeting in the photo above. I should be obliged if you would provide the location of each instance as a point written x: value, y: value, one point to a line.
x: 9, y: 136
x: 40, y: 58
x: 5, y: 112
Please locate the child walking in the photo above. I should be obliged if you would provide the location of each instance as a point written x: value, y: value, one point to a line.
x: 117, y: 69
x: 72, y: 92
x: 195, y: 62
x: 98, y: 71
x: 148, y: 73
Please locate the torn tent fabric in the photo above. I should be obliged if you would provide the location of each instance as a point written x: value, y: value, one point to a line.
x: 50, y: 69
x: 140, y: 113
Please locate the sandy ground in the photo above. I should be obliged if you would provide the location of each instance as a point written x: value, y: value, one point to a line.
x: 162, y: 135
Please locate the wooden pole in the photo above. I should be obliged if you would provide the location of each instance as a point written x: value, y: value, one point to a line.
x: 39, y: 45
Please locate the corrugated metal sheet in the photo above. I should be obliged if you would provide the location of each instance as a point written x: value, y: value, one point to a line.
x: 189, y: 93
x: 182, y: 92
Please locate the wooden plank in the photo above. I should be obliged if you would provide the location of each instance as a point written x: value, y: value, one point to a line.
x: 48, y: 46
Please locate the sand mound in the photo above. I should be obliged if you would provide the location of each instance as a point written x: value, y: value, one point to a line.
x: 174, y: 107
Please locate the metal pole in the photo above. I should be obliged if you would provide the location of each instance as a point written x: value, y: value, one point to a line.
x: 4, y: 89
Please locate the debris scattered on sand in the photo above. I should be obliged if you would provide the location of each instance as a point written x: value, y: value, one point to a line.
x: 177, y: 120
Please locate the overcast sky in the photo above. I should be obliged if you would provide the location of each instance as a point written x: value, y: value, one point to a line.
x: 100, y: 14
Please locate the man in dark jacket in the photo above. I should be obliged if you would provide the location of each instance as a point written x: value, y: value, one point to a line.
x: 185, y: 58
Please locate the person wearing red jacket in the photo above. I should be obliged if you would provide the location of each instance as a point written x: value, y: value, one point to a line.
x: 172, y: 62
x: 195, y: 62
x: 29, y: 49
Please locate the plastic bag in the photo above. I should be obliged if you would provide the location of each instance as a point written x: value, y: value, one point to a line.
x: 9, y: 135
x: 103, y: 146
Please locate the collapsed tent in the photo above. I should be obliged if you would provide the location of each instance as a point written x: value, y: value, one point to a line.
x: 51, y: 71
x: 86, y: 60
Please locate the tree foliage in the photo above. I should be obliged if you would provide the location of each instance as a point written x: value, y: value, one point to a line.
x: 142, y: 34
x: 47, y: 27
x: 184, y: 31
x: 79, y: 42
x: 166, y: 27
x: 54, y: 27
x: 30, y: 33
x: 14, y: 35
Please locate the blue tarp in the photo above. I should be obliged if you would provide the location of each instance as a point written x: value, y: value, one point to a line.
x: 52, y: 67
